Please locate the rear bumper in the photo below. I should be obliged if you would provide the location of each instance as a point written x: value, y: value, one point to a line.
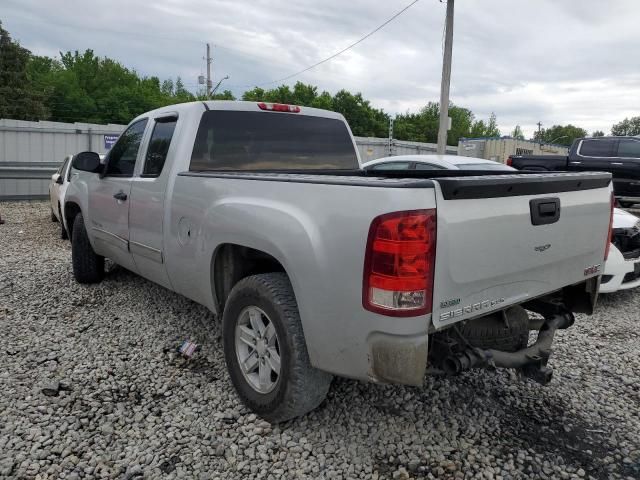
x: 398, y: 358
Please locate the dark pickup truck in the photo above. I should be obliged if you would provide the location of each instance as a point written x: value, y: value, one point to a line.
x: 619, y: 156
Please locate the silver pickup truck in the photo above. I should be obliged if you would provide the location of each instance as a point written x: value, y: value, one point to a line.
x: 261, y: 213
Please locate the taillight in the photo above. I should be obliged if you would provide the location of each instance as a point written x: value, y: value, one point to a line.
x: 279, y: 107
x: 510, y: 161
x: 610, y: 234
x: 399, y: 263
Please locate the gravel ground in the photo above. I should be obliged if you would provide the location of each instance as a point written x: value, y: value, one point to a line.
x: 91, y: 387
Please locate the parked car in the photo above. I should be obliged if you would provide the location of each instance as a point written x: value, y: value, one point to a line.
x: 57, y: 188
x: 618, y: 155
x: 433, y: 162
x: 622, y: 268
x: 262, y: 213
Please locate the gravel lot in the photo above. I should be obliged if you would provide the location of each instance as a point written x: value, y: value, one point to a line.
x: 91, y: 387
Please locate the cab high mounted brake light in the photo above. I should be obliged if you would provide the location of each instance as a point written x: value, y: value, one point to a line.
x: 279, y: 107
x: 399, y: 263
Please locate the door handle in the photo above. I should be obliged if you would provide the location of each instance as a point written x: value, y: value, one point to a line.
x: 120, y: 196
x: 617, y: 163
x: 575, y: 163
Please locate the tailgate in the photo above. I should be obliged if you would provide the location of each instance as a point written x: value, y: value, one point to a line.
x: 499, y: 241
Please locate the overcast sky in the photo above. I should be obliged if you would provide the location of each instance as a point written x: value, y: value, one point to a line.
x: 570, y: 61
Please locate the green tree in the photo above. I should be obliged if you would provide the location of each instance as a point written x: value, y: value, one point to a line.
x: 167, y: 87
x: 627, y: 127
x: 224, y: 95
x: 423, y: 126
x: 19, y: 97
x: 181, y: 94
x: 517, y: 133
x: 256, y: 94
x: 560, y: 134
x: 492, y: 126
x: 598, y: 133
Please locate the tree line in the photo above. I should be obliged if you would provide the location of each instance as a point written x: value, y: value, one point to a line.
x: 82, y: 87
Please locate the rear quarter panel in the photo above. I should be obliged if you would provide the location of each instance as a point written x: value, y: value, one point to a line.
x: 317, y: 232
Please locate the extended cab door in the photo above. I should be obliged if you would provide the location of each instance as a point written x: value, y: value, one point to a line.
x: 109, y: 198
x: 594, y: 155
x: 146, y: 207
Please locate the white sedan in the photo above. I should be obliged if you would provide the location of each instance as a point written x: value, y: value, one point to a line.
x: 57, y: 189
x: 434, y: 162
x: 622, y: 269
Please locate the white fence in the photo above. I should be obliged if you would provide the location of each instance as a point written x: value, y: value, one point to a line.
x: 31, y: 151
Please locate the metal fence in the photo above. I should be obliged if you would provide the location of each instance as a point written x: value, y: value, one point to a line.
x: 371, y: 148
x: 31, y: 151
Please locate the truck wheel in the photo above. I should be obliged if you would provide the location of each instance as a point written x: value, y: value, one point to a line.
x: 265, y: 350
x: 63, y: 231
x: 87, y: 266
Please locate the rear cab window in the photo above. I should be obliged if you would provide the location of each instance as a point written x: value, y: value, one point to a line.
x: 597, y: 148
x: 271, y: 141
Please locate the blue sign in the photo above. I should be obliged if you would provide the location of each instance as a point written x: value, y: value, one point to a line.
x: 109, y: 140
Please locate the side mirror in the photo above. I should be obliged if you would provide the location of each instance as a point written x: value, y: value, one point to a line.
x: 59, y: 180
x: 87, y: 162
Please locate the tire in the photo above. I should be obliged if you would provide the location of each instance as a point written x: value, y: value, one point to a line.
x: 299, y: 388
x: 63, y: 231
x: 88, y: 267
x: 53, y: 216
x: 492, y: 332
x: 626, y: 204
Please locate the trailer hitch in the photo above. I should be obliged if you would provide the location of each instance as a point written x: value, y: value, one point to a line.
x: 531, y: 362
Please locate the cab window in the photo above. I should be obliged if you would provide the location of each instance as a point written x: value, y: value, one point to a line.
x: 597, y: 148
x: 392, y: 166
x: 428, y: 166
x: 122, y: 156
x: 159, y: 146
x: 629, y: 149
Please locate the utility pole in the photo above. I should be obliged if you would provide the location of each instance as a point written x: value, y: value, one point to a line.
x: 539, y: 131
x: 209, y: 61
x: 391, y: 137
x: 446, y: 81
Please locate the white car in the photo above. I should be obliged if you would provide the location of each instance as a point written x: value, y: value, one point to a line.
x: 622, y: 269
x: 57, y: 189
x: 433, y: 162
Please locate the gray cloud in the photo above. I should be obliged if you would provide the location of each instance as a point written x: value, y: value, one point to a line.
x: 549, y: 61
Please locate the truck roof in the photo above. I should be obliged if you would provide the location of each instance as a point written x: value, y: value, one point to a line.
x: 233, y: 105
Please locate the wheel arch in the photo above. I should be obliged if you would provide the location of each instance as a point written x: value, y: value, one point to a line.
x: 71, y: 210
x: 231, y: 262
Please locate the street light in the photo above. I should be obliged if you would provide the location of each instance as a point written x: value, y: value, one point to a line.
x: 226, y: 77
x: 558, y: 138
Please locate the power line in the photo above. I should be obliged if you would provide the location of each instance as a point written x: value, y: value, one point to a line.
x: 331, y: 57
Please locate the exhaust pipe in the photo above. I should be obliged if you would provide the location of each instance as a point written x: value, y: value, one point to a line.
x: 531, y: 360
